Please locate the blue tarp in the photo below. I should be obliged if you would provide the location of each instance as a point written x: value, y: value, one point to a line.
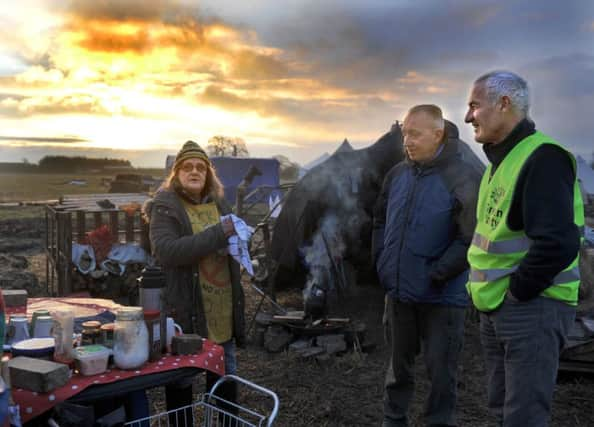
x: 231, y: 171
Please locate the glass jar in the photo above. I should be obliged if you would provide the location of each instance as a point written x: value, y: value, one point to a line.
x: 91, y: 333
x: 131, y: 340
x: 107, y: 334
x: 62, y: 332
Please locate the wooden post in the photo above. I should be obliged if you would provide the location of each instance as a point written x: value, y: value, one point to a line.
x: 60, y: 256
x: 114, y: 226
x: 129, y: 228
x: 144, y: 234
x: 68, y: 253
x: 48, y: 279
x: 80, y: 226
x: 98, y: 219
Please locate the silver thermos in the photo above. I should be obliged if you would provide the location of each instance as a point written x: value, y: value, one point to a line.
x: 150, y: 285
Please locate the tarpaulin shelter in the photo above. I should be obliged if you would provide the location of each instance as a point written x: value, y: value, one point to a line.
x: 232, y: 170
x: 344, y: 147
x: 346, y: 185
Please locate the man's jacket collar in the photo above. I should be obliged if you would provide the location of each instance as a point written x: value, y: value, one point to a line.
x: 497, y: 152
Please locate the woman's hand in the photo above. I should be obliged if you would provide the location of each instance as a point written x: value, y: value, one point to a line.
x: 228, y: 227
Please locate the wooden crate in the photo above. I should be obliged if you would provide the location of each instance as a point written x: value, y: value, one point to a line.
x: 74, y: 216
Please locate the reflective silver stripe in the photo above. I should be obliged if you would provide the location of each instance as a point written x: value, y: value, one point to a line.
x: 490, y: 275
x: 567, y: 276
x: 497, y: 273
x: 519, y: 244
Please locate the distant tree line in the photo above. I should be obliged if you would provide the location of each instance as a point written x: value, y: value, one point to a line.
x: 65, y: 164
x: 7, y: 167
x: 68, y: 164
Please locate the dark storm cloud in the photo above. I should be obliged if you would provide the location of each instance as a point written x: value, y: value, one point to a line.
x: 118, y: 10
x: 366, y: 47
x: 563, y: 99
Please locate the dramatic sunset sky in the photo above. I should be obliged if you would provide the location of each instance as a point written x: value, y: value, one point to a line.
x: 135, y: 79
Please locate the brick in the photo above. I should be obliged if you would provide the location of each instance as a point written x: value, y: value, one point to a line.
x: 186, y: 344
x: 37, y: 375
x: 15, y: 297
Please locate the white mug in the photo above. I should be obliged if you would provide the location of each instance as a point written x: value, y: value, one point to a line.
x: 172, y: 329
x: 18, y: 330
x: 43, y: 327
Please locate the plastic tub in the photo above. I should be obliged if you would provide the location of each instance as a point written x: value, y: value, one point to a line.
x: 91, y: 359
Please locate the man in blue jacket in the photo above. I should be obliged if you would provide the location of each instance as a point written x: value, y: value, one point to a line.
x: 423, y: 225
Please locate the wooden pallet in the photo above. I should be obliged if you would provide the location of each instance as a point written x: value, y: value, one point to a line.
x: 74, y: 216
x: 88, y: 202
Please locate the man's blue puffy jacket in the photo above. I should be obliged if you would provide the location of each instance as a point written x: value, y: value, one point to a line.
x: 424, y: 220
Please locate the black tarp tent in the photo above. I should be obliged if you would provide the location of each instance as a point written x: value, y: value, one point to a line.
x: 344, y: 186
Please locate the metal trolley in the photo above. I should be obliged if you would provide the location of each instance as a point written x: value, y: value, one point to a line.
x: 208, y: 411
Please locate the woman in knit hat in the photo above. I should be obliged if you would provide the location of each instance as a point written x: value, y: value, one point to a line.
x: 203, y: 290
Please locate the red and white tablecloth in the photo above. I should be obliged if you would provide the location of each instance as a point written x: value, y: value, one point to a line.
x: 82, y: 307
x: 33, y: 404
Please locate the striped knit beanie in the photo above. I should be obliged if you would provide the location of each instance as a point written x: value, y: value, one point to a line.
x: 190, y: 150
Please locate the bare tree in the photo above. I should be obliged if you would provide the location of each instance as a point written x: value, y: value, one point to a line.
x: 226, y: 146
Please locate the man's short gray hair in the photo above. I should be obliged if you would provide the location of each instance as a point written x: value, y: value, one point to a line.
x: 506, y: 83
x: 432, y: 111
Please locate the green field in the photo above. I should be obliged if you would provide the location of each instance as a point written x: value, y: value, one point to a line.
x: 21, y: 212
x: 19, y: 187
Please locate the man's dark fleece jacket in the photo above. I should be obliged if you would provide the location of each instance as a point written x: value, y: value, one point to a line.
x: 542, y: 205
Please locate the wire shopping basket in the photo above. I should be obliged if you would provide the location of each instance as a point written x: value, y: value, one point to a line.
x: 212, y: 411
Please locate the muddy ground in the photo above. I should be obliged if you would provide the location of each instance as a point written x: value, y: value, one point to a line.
x: 346, y: 390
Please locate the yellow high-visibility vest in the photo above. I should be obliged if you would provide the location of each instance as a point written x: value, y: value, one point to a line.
x: 496, y: 251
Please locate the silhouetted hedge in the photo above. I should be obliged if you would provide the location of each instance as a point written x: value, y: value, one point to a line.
x: 66, y: 164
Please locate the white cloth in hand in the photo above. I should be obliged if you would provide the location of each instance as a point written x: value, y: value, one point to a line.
x: 239, y: 243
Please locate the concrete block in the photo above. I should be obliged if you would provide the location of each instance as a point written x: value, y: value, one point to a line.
x: 276, y: 339
x: 14, y: 297
x: 334, y: 343
x: 186, y: 344
x: 300, y: 345
x: 37, y: 375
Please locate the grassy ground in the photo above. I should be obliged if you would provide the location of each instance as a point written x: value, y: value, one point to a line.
x: 21, y: 212
x: 16, y: 187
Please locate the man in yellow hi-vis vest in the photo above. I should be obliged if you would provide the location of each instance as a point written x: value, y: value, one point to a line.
x: 523, y: 258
